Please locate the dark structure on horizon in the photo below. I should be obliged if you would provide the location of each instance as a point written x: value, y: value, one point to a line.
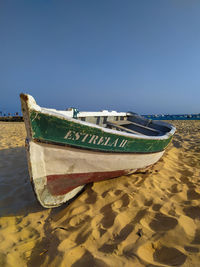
x: 173, y: 117
x: 9, y: 117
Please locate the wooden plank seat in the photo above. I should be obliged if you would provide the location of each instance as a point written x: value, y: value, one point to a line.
x: 139, y: 127
x: 126, y: 122
x: 119, y: 127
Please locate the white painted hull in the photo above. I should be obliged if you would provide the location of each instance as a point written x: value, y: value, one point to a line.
x: 51, y: 167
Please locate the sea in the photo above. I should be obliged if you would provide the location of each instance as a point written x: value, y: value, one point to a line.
x: 173, y: 117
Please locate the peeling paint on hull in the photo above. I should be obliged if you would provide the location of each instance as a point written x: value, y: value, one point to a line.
x: 59, y: 173
x: 62, y: 184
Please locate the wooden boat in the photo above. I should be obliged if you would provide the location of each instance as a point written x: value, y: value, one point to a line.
x: 68, y: 149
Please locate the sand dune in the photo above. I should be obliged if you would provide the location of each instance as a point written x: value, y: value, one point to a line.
x: 146, y: 219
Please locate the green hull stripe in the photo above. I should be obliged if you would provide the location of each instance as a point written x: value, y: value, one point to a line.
x: 53, y: 129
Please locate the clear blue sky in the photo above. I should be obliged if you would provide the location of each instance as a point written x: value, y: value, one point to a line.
x: 138, y: 55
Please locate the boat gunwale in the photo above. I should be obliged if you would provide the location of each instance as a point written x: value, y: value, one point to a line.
x: 33, y: 106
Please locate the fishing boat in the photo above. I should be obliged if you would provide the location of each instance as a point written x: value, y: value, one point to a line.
x: 68, y: 149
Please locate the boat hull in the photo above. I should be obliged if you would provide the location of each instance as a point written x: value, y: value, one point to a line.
x: 66, y: 152
x: 58, y: 173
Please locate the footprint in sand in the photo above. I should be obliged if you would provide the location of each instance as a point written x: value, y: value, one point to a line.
x: 123, y: 234
x: 118, y: 192
x: 159, y: 254
x: 148, y: 202
x: 89, y: 260
x: 3, y: 259
x: 156, y: 207
x: 169, y: 256
x: 162, y: 223
x: 79, y: 209
x: 191, y: 249
x: 98, y: 232
x: 192, y: 211
x: 192, y: 194
x: 174, y: 189
x: 83, y: 236
x: 127, y: 185
x: 117, y: 205
x: 105, y: 193
x: 92, y: 196
x: 123, y: 202
x: 108, y: 248
x: 79, y: 220
x: 196, y: 240
x: 108, y: 216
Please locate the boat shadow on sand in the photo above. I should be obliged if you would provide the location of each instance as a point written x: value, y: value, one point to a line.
x: 18, y: 200
x: 16, y: 194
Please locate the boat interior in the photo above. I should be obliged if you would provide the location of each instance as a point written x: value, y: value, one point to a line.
x: 121, y: 121
x: 130, y: 123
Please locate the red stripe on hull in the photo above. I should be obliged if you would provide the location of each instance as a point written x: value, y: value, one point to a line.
x: 64, y: 183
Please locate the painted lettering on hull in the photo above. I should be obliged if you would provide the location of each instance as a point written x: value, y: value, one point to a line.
x: 95, y: 139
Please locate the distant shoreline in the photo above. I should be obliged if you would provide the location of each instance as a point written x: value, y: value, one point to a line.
x: 12, y: 118
x: 173, y: 117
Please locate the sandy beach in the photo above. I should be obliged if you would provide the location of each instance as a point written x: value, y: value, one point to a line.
x: 146, y: 219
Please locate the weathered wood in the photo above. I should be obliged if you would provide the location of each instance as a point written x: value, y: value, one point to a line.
x: 118, y: 126
x: 126, y: 122
x: 63, y: 171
